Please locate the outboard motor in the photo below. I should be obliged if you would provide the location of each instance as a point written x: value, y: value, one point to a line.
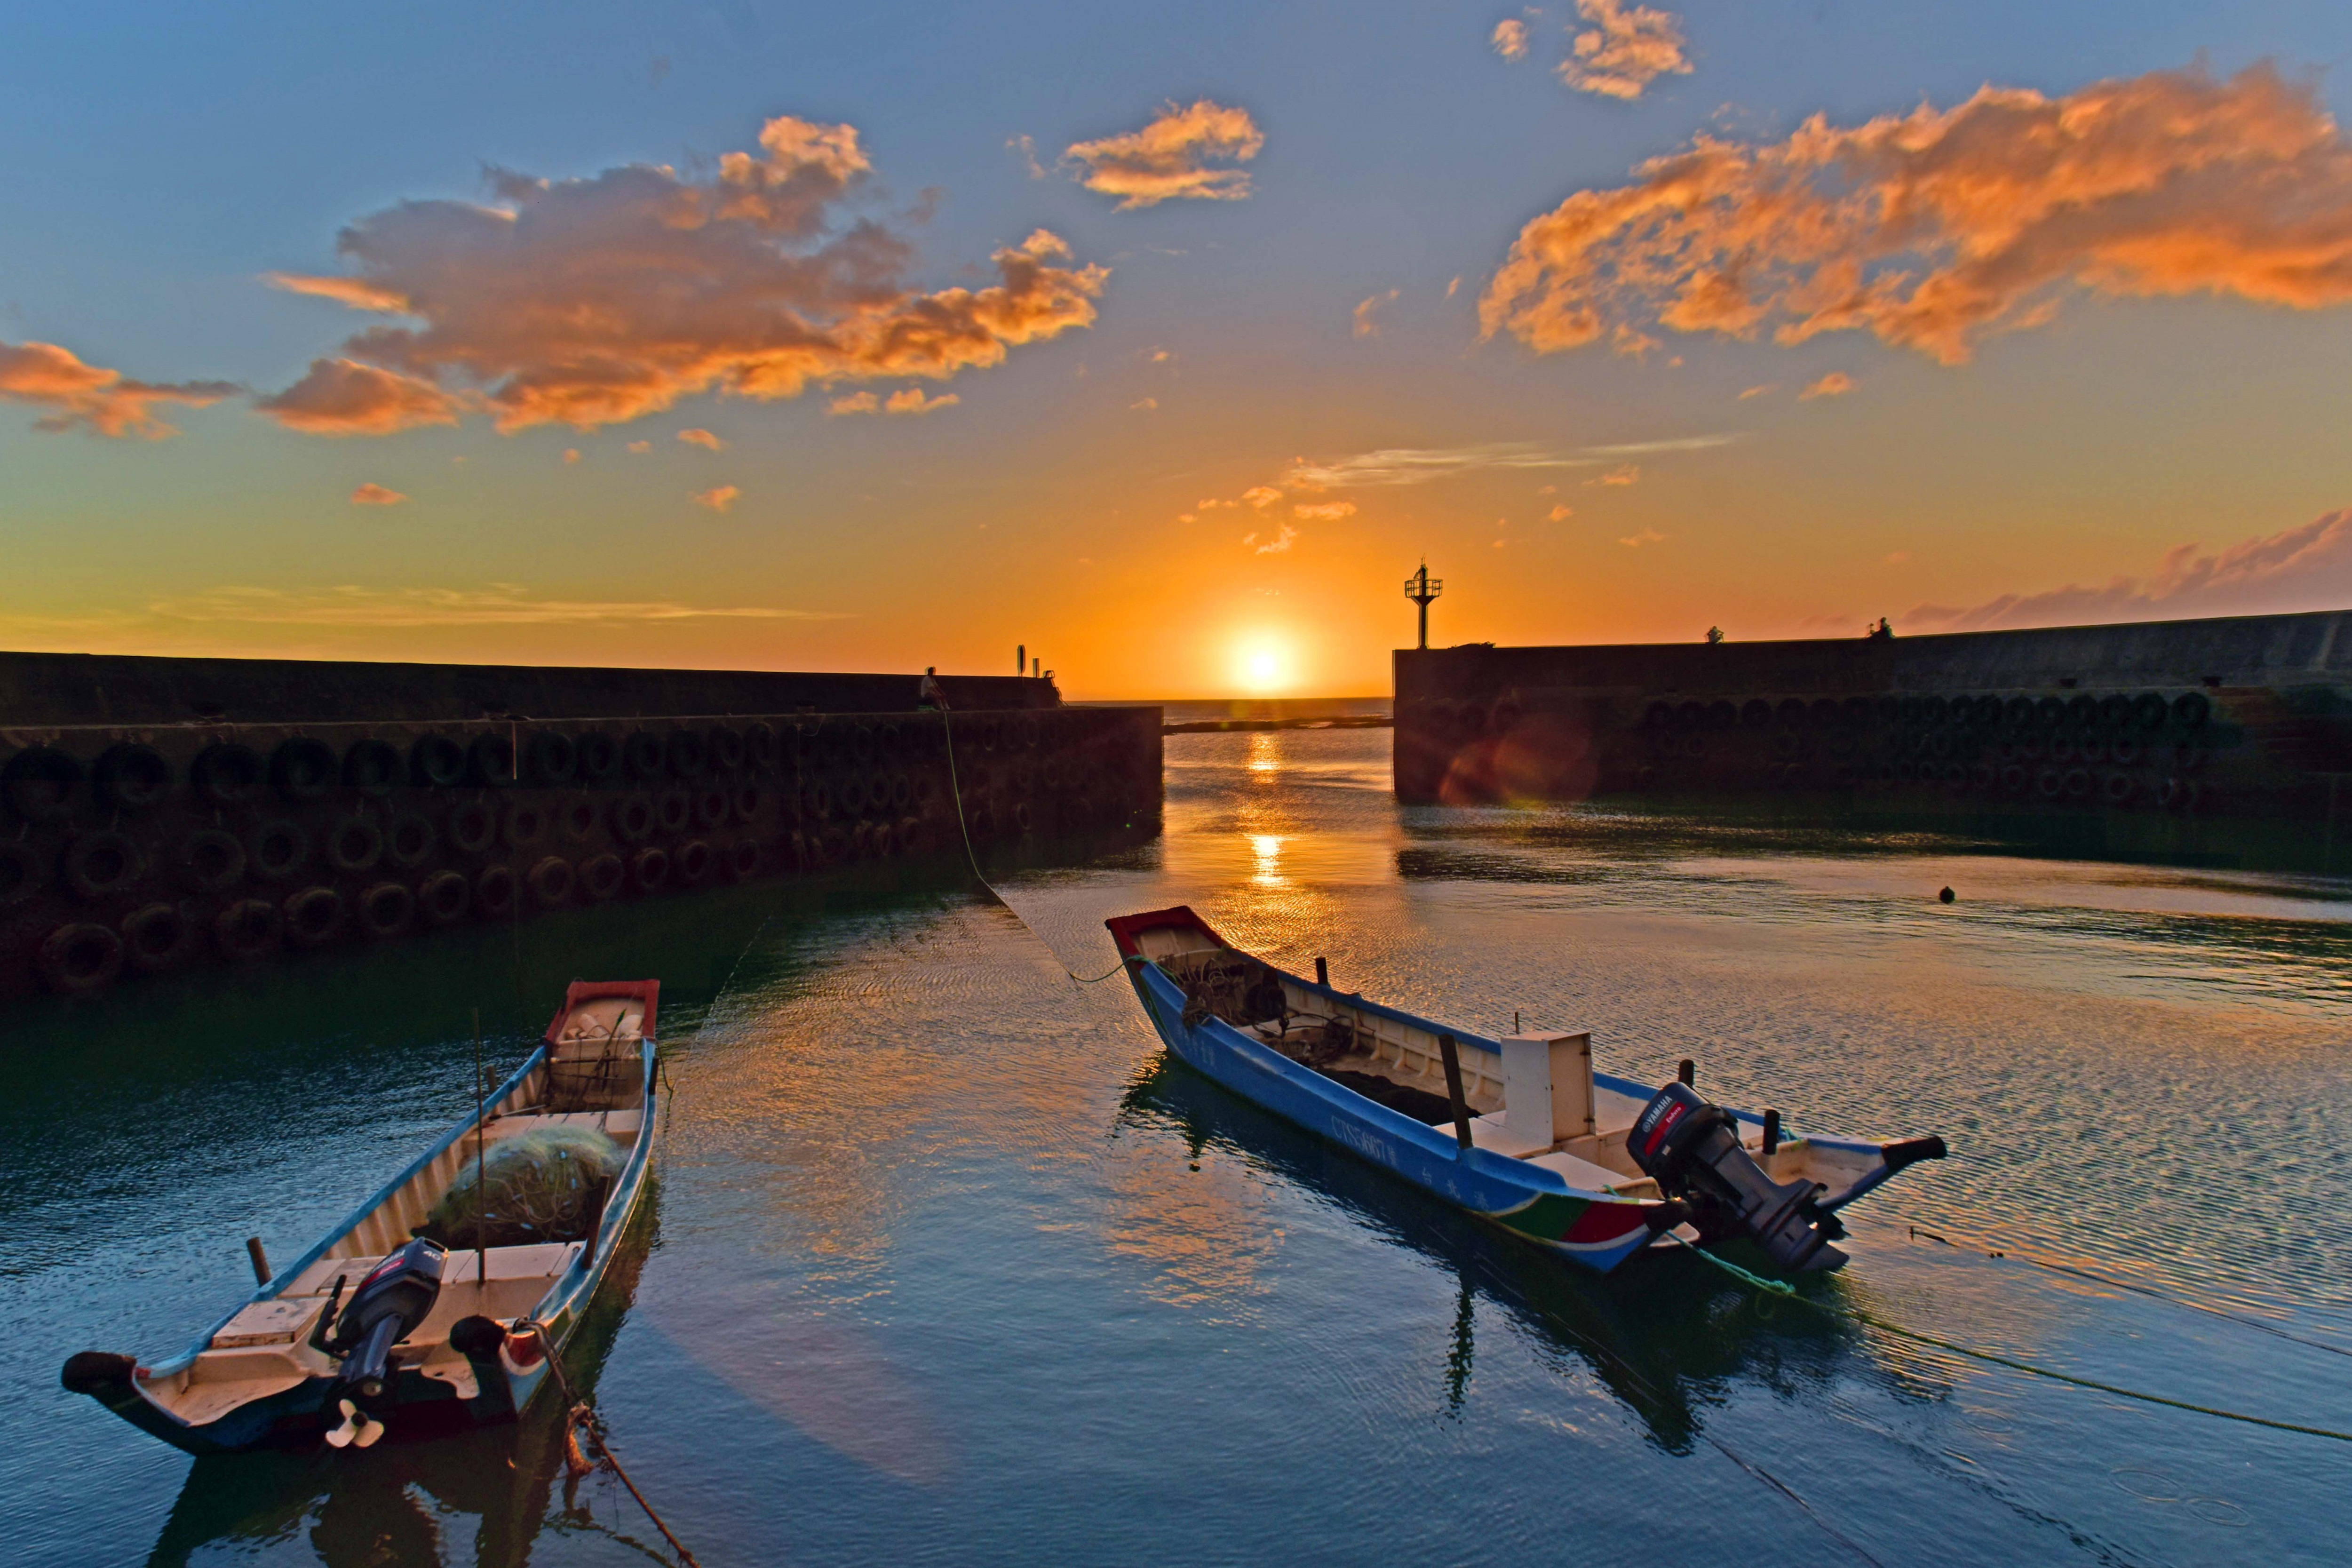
x: 1691, y: 1150
x: 396, y: 1295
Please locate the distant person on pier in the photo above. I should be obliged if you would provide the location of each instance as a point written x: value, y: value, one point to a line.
x: 929, y: 698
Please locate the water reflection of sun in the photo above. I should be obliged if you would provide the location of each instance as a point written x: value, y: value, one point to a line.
x: 1266, y: 851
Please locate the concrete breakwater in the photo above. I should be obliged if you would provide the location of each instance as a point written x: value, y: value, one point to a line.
x: 214, y: 813
x: 2148, y: 728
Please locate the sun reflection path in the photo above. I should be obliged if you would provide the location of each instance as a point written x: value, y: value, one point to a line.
x: 1265, y: 849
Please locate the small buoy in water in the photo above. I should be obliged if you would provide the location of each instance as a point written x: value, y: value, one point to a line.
x: 1945, y: 897
x: 1196, y: 1167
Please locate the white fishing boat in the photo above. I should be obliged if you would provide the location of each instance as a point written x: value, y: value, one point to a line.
x: 436, y: 1303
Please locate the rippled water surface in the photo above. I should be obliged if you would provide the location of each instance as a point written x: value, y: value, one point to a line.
x: 948, y: 1264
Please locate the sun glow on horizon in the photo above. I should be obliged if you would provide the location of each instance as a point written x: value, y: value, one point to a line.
x: 1264, y: 666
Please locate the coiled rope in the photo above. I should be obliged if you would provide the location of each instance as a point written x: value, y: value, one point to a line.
x: 1787, y: 1292
x: 972, y: 859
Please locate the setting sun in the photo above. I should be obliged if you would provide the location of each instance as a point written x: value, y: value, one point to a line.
x: 1264, y: 666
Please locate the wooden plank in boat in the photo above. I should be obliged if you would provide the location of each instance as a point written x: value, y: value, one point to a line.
x: 277, y: 1322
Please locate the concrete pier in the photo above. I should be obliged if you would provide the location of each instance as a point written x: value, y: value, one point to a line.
x: 157, y: 814
x: 2146, y: 730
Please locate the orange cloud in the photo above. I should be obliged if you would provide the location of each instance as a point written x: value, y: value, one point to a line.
x: 1932, y: 228
x: 1510, y: 38
x: 855, y: 403
x: 1623, y: 474
x: 1261, y: 496
x: 1766, y: 389
x: 1325, y: 512
x: 702, y: 439
x: 1648, y: 536
x: 1628, y: 47
x: 641, y: 448
x: 910, y: 400
x: 1281, y: 542
x: 717, y: 500
x: 344, y: 397
x: 91, y: 397
x: 2307, y: 567
x: 571, y: 454
x: 357, y: 293
x: 1184, y: 154
x: 1562, y: 513
x: 376, y: 495
x: 1365, y: 326
x: 1837, y: 383
x: 597, y: 300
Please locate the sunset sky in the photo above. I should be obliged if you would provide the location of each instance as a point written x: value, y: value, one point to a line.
x: 1165, y: 340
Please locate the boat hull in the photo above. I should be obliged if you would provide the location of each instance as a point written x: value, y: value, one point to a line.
x: 1596, y: 1231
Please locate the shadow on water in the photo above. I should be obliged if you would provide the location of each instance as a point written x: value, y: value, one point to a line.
x: 1663, y: 1333
x: 402, y: 1502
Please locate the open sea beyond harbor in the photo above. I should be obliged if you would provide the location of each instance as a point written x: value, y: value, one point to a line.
x: 946, y: 1263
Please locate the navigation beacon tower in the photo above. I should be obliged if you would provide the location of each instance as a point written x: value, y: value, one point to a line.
x: 1421, y: 588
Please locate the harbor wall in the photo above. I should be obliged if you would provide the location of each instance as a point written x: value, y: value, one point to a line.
x: 158, y: 814
x: 2150, y: 728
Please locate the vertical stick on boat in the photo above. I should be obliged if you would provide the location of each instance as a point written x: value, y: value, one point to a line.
x: 481, y: 1192
x: 1452, y: 1058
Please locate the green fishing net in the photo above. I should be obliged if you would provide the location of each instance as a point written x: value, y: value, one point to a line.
x: 544, y: 1186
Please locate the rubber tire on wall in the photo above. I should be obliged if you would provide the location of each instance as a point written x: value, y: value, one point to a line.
x: 410, y: 840
x: 644, y: 756
x: 24, y: 872
x: 710, y: 809
x: 80, y: 959
x: 248, y: 928
x: 526, y: 826
x: 649, y: 869
x: 761, y: 750
x: 355, y: 845
x: 132, y: 778
x: 437, y: 761
x: 493, y: 891
x: 633, y: 818
x: 693, y: 863
x: 724, y: 748
x: 552, y: 881
x: 602, y: 877
x: 386, y: 909
x: 687, y: 756
x: 747, y: 801
x: 41, y: 784
x: 490, y: 761
x: 673, y: 811
x: 225, y: 774
x: 372, y: 767
x: 156, y: 937
x: 473, y: 827
x: 743, y: 859
x: 577, y: 819
x: 548, y: 758
x: 314, y: 916
x: 596, y: 757
x: 101, y: 865
x: 303, y: 770
x: 445, y: 897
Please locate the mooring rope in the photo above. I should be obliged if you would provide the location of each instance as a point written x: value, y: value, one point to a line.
x: 2012, y: 1254
x: 972, y: 859
x: 581, y: 1416
x: 1787, y: 1292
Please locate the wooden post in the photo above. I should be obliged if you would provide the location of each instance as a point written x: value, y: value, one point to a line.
x: 1322, y: 971
x: 260, y: 1259
x: 1771, y: 1132
x: 1687, y: 1071
x: 1454, y: 1094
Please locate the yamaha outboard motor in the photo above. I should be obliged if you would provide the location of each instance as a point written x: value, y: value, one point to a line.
x: 391, y: 1302
x: 1692, y: 1149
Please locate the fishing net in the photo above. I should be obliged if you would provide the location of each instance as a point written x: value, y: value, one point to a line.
x: 1239, y: 990
x: 544, y: 1186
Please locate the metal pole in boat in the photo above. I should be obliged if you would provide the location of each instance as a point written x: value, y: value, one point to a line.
x: 1454, y: 1094
x: 481, y: 1192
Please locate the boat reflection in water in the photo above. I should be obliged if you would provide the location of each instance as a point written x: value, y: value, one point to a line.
x: 1656, y: 1337
x: 394, y: 1502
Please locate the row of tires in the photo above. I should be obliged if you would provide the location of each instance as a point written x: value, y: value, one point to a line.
x: 1946, y: 746
x: 2115, y: 713
x: 47, y: 782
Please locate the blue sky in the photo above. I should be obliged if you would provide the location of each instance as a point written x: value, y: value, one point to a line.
x: 157, y: 162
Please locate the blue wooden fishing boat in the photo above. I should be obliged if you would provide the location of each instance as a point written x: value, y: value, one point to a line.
x: 379, y: 1328
x: 1520, y: 1131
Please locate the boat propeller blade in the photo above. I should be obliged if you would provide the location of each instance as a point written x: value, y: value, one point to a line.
x: 359, y: 1429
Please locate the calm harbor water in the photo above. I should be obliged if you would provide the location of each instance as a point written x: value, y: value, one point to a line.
x: 948, y: 1264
